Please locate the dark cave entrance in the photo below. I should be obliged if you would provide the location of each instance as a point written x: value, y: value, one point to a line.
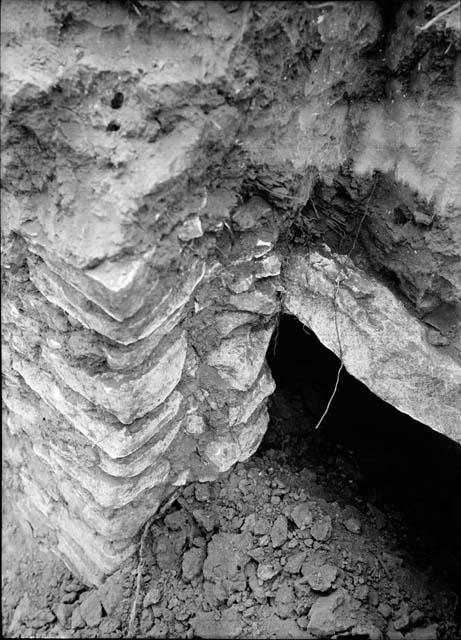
x: 365, y: 451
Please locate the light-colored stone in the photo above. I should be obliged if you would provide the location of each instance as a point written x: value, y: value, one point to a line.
x: 131, y: 395
x: 330, y: 614
x: 381, y: 344
x: 239, y: 359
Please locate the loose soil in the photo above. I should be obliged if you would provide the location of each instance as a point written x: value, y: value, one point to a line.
x: 286, y: 545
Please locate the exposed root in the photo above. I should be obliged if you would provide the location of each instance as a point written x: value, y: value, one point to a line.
x: 322, y: 5
x: 142, y: 559
x: 335, y: 304
x: 439, y: 16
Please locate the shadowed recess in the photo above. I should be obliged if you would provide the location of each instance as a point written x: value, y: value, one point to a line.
x: 390, y: 459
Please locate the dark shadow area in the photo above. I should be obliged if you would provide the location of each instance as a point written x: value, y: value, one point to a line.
x: 367, y: 450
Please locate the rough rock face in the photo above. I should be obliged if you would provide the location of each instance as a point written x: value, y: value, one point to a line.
x: 159, y: 162
x: 378, y: 340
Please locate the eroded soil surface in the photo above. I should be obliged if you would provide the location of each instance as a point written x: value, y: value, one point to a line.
x: 282, y: 546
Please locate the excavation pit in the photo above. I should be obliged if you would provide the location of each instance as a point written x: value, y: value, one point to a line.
x: 374, y: 453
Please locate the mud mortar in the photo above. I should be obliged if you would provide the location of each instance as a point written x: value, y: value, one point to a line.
x: 176, y: 176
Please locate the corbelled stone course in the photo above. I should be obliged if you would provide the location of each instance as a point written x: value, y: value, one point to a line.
x: 154, y: 192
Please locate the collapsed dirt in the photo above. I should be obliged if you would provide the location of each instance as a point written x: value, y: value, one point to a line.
x: 272, y: 549
x: 298, y: 542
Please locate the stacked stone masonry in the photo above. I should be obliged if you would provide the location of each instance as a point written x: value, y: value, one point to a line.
x: 145, y: 256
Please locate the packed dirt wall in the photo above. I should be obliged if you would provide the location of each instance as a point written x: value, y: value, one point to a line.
x: 175, y: 176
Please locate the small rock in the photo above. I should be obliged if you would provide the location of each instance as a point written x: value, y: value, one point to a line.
x: 279, y: 532
x: 402, y: 622
x: 63, y: 613
x: 111, y: 593
x: 236, y: 523
x: 373, y: 598
x: 424, y: 633
x: 362, y: 592
x: 227, y: 555
x: 320, y: 578
x: 385, y: 610
x: 91, y: 609
x: 294, y: 562
x: 437, y: 339
x: 416, y: 618
x: 176, y: 520
x: 190, y: 229
x: 353, y: 525
x: 202, y: 492
x: 276, y: 500
x: 108, y: 625
x: 284, y: 600
x: 69, y: 598
x: 368, y: 631
x: 330, y: 614
x: 213, y: 624
x: 303, y: 621
x: 258, y: 591
x: 267, y: 571
x: 261, y: 527
x: 159, y: 630
x: 192, y: 563
x: 76, y: 621
x: 322, y: 529
x: 205, y: 520
x: 249, y: 523
x: 301, y: 515
x: 153, y: 596
x: 147, y: 621
x: 257, y: 554
x: 20, y: 614
x: 40, y: 618
x: 199, y: 541
x: 74, y: 586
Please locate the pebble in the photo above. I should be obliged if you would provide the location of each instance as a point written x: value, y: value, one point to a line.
x: 279, y: 532
x: 69, y: 598
x: 41, y: 618
x: 63, y: 613
x: 176, y: 520
x: 267, y: 571
x: 91, y: 609
x: 353, y: 525
x: 261, y: 527
x: 152, y: 597
x: 204, y: 519
x: 322, y: 529
x: 111, y: 594
x: 320, y: 578
x: 76, y: 621
x: 368, y: 631
x: 330, y: 615
x: 301, y: 515
x: 294, y: 562
x: 74, y: 586
x: 192, y: 563
x: 402, y: 622
x: 361, y: 593
x: 385, y: 610
x: 416, y: 618
x: 108, y: 625
x: 284, y: 600
x: 202, y: 492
